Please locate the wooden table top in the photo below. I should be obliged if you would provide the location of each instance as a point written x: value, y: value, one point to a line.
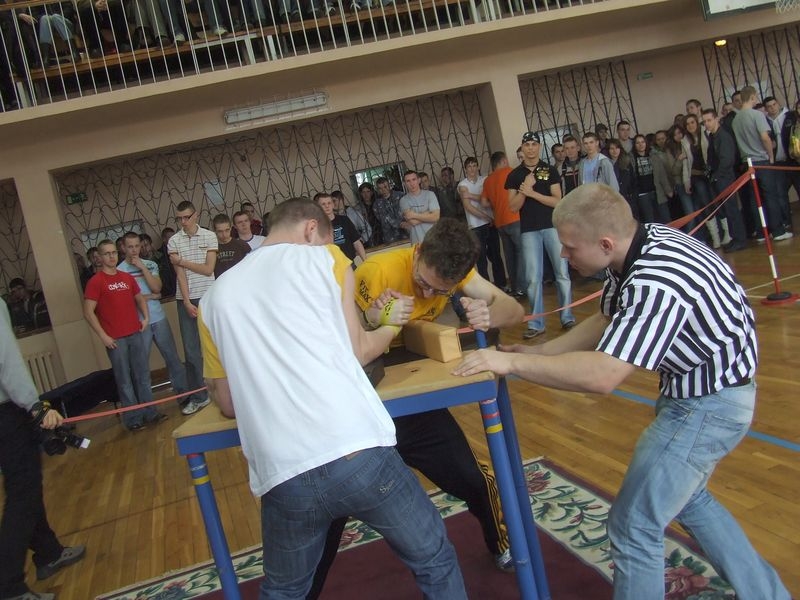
x: 412, y: 378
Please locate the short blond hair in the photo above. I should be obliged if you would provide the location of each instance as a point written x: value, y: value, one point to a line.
x: 597, y: 210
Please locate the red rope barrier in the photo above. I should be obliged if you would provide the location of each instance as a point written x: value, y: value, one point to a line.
x: 117, y: 411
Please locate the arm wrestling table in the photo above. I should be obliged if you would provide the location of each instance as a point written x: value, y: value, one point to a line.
x: 409, y: 388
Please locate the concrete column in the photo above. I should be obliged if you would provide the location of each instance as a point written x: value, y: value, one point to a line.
x: 503, y: 113
x: 58, y: 275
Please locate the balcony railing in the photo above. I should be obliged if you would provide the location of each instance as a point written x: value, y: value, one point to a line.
x: 52, y: 51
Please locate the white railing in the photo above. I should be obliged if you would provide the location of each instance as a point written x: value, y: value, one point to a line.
x: 52, y: 51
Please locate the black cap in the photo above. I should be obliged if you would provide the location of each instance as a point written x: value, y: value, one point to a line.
x: 531, y: 136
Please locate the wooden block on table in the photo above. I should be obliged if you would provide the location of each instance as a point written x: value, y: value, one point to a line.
x: 435, y: 341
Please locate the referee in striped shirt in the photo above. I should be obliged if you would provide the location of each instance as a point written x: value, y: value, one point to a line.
x: 670, y: 305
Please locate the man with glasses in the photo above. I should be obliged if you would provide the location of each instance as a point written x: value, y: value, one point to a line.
x: 193, y: 253
x: 110, y: 307
x: 421, y: 279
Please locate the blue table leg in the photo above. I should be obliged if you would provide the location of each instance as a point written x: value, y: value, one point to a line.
x: 216, y: 535
x: 521, y: 484
x: 493, y: 427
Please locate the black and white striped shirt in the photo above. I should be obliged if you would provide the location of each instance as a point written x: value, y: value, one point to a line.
x: 677, y: 309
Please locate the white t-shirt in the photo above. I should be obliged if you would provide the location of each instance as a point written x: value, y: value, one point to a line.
x: 300, y: 395
x: 254, y: 242
x: 477, y: 189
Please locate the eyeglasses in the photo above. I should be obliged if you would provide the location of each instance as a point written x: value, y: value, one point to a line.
x: 180, y: 219
x: 426, y: 287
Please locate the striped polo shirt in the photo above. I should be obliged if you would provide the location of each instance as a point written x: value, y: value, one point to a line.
x: 677, y: 309
x: 194, y: 248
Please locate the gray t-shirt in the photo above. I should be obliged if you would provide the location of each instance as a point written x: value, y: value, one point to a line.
x: 425, y: 201
x: 748, y: 125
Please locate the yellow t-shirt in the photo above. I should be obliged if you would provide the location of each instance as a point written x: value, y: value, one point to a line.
x: 212, y: 366
x: 395, y: 270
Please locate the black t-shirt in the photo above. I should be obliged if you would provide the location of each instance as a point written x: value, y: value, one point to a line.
x: 229, y: 254
x: 534, y: 216
x: 345, y: 235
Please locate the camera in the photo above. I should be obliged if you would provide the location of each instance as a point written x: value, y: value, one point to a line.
x: 55, y: 441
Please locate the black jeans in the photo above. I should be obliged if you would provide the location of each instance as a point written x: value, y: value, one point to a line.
x: 434, y: 444
x: 490, y: 248
x: 24, y: 524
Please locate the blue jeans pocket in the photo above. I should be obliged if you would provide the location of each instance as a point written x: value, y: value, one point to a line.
x: 716, y: 437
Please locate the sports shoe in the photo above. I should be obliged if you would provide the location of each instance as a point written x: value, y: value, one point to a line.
x: 136, y: 427
x: 786, y: 235
x: 34, y: 596
x: 193, y: 406
x: 69, y: 555
x: 568, y: 325
x: 179, y: 38
x: 220, y: 31
x: 532, y: 333
x: 504, y: 562
x: 760, y: 238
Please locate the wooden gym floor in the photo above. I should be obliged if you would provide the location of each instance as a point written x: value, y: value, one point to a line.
x: 130, y: 500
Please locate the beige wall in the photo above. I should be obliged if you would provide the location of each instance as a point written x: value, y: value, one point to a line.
x: 677, y: 76
x: 139, y: 121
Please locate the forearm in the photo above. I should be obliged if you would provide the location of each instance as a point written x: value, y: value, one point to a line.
x: 154, y: 283
x: 427, y: 217
x: 515, y: 200
x: 183, y: 283
x: 583, y: 337
x: 766, y: 141
x: 360, y: 251
x: 592, y: 372
x: 220, y: 393
x: 94, y: 323
x: 142, y: 304
x: 505, y: 311
x: 199, y: 268
x: 372, y: 344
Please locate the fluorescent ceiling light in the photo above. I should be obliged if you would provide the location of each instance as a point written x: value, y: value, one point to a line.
x: 278, y: 107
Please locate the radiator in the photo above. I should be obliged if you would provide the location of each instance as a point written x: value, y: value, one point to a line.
x: 42, y: 371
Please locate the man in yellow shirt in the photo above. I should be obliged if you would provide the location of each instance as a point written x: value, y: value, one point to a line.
x: 423, y: 278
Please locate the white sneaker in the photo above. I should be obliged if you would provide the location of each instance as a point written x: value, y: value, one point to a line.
x: 786, y: 235
x: 179, y: 38
x: 193, y: 406
x: 220, y: 31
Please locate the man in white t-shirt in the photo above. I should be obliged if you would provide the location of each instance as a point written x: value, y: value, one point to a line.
x: 241, y: 221
x: 479, y: 219
x: 319, y: 443
x: 419, y: 207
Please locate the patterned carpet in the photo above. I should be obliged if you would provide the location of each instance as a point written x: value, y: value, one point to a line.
x: 564, y: 508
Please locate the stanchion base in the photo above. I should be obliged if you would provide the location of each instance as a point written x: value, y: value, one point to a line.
x: 780, y: 298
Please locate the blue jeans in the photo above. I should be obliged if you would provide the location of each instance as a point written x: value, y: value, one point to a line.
x: 511, y: 237
x: 160, y: 333
x: 534, y: 245
x: 190, y: 335
x: 373, y: 485
x: 666, y: 480
x: 129, y: 360
x: 768, y: 182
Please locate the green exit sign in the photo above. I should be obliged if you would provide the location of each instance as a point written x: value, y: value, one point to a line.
x: 77, y: 198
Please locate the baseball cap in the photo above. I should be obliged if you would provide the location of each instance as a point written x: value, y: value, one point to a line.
x: 531, y: 136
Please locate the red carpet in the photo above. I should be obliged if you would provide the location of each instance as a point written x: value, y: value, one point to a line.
x: 372, y: 571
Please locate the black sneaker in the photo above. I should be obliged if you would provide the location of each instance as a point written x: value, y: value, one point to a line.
x: 69, y: 555
x: 136, y: 427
